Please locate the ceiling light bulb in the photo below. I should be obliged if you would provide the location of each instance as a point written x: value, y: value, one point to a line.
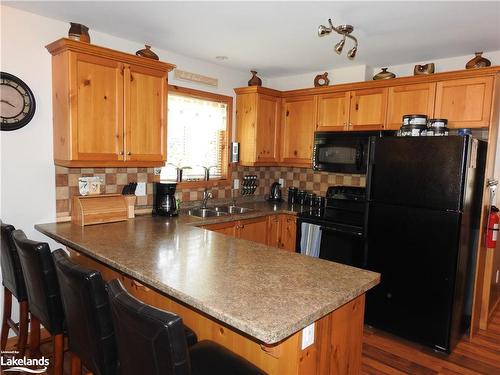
x: 323, y: 30
x: 339, y: 46
x: 352, y: 53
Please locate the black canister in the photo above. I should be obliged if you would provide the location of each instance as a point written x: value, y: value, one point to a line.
x: 309, y: 200
x: 319, y: 202
x: 292, y: 195
x: 301, y: 197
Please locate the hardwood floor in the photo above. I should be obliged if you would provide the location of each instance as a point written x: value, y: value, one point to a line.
x: 384, y: 354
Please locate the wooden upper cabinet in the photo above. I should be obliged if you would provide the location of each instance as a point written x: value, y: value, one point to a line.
x: 333, y: 111
x: 268, y: 118
x: 409, y: 99
x: 145, y: 114
x: 368, y: 109
x: 258, y: 112
x: 98, y: 105
x: 466, y: 103
x: 109, y: 106
x: 297, y: 133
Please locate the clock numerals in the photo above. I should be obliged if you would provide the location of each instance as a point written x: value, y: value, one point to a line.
x: 17, y: 102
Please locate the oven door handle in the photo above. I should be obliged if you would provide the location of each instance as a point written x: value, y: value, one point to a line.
x: 338, y: 230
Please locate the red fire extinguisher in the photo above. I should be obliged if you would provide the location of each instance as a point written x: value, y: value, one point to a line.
x: 492, y: 232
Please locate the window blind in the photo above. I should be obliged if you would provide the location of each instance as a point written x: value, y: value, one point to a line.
x: 196, y: 137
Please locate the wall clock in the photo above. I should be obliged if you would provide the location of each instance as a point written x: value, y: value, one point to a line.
x: 17, y: 102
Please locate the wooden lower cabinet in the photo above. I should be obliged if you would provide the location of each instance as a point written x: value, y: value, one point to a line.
x: 274, y: 230
x: 337, y: 336
x: 253, y: 230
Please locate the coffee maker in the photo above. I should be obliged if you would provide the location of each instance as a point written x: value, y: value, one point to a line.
x: 164, y: 203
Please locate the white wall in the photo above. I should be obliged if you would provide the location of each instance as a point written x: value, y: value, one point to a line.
x: 355, y: 73
x: 27, y: 180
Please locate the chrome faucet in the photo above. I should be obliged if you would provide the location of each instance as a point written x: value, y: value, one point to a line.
x: 206, y: 196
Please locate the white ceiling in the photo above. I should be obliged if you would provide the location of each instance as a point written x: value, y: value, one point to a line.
x: 280, y: 38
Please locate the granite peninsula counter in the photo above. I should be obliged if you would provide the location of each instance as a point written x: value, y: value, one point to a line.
x: 259, y: 293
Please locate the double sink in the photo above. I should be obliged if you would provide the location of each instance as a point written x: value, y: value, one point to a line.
x: 218, y: 211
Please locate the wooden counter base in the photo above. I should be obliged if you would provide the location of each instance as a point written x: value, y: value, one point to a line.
x: 337, y: 340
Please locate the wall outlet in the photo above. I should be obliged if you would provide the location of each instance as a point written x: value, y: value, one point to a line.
x: 282, y: 182
x: 308, y: 336
x: 157, y: 171
x: 140, y: 191
x: 236, y: 183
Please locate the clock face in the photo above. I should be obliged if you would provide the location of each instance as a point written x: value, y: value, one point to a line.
x: 17, y: 103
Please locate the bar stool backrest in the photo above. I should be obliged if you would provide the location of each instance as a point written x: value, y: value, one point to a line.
x: 88, y: 315
x: 150, y: 341
x: 41, y: 282
x: 12, y: 274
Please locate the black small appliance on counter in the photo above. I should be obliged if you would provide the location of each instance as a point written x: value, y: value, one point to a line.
x: 164, y: 203
x: 275, y: 192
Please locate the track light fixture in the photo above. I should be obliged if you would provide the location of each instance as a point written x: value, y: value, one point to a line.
x: 345, y: 31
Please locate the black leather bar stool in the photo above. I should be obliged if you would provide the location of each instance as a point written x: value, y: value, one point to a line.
x: 89, y: 326
x: 152, y: 341
x: 13, y: 285
x: 44, y: 298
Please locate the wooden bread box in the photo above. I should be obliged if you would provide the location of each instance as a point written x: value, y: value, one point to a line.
x: 98, y: 209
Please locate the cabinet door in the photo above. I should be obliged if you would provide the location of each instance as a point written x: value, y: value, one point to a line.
x: 145, y: 114
x: 268, y: 117
x: 368, y: 109
x: 253, y: 230
x: 298, y: 125
x: 246, y: 123
x: 333, y: 111
x: 466, y: 103
x: 229, y: 228
x: 273, y: 231
x: 288, y: 232
x: 409, y: 99
x: 97, y: 133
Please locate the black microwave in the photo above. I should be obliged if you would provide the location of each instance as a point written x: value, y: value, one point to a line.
x: 342, y: 152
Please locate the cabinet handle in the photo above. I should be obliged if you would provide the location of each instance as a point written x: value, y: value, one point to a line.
x: 287, y: 113
x: 357, y: 106
x: 129, y: 153
x: 121, y: 152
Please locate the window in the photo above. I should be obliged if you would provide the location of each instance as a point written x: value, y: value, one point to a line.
x: 198, y: 129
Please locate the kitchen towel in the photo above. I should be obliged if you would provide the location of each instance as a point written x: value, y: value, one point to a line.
x: 310, y: 240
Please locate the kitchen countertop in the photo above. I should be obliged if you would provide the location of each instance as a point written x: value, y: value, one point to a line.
x: 262, y: 291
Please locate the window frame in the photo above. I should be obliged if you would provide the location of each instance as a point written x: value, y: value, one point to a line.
x: 225, y: 180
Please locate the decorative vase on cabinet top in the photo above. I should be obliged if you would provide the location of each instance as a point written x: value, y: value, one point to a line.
x: 384, y: 74
x: 478, y: 62
x: 254, y: 81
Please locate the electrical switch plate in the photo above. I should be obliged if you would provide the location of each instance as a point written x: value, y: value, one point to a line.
x: 282, y: 182
x: 236, y: 183
x: 140, y: 191
x: 308, y: 336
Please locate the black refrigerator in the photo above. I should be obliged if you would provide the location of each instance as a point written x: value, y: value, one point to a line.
x: 423, y: 223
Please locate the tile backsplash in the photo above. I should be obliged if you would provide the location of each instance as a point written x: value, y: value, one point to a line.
x: 66, y: 180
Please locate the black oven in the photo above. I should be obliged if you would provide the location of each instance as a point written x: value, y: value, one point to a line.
x: 338, y: 229
x: 342, y: 152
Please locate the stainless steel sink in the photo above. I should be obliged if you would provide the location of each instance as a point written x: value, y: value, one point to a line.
x: 205, y: 212
x: 218, y: 211
x: 233, y: 210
